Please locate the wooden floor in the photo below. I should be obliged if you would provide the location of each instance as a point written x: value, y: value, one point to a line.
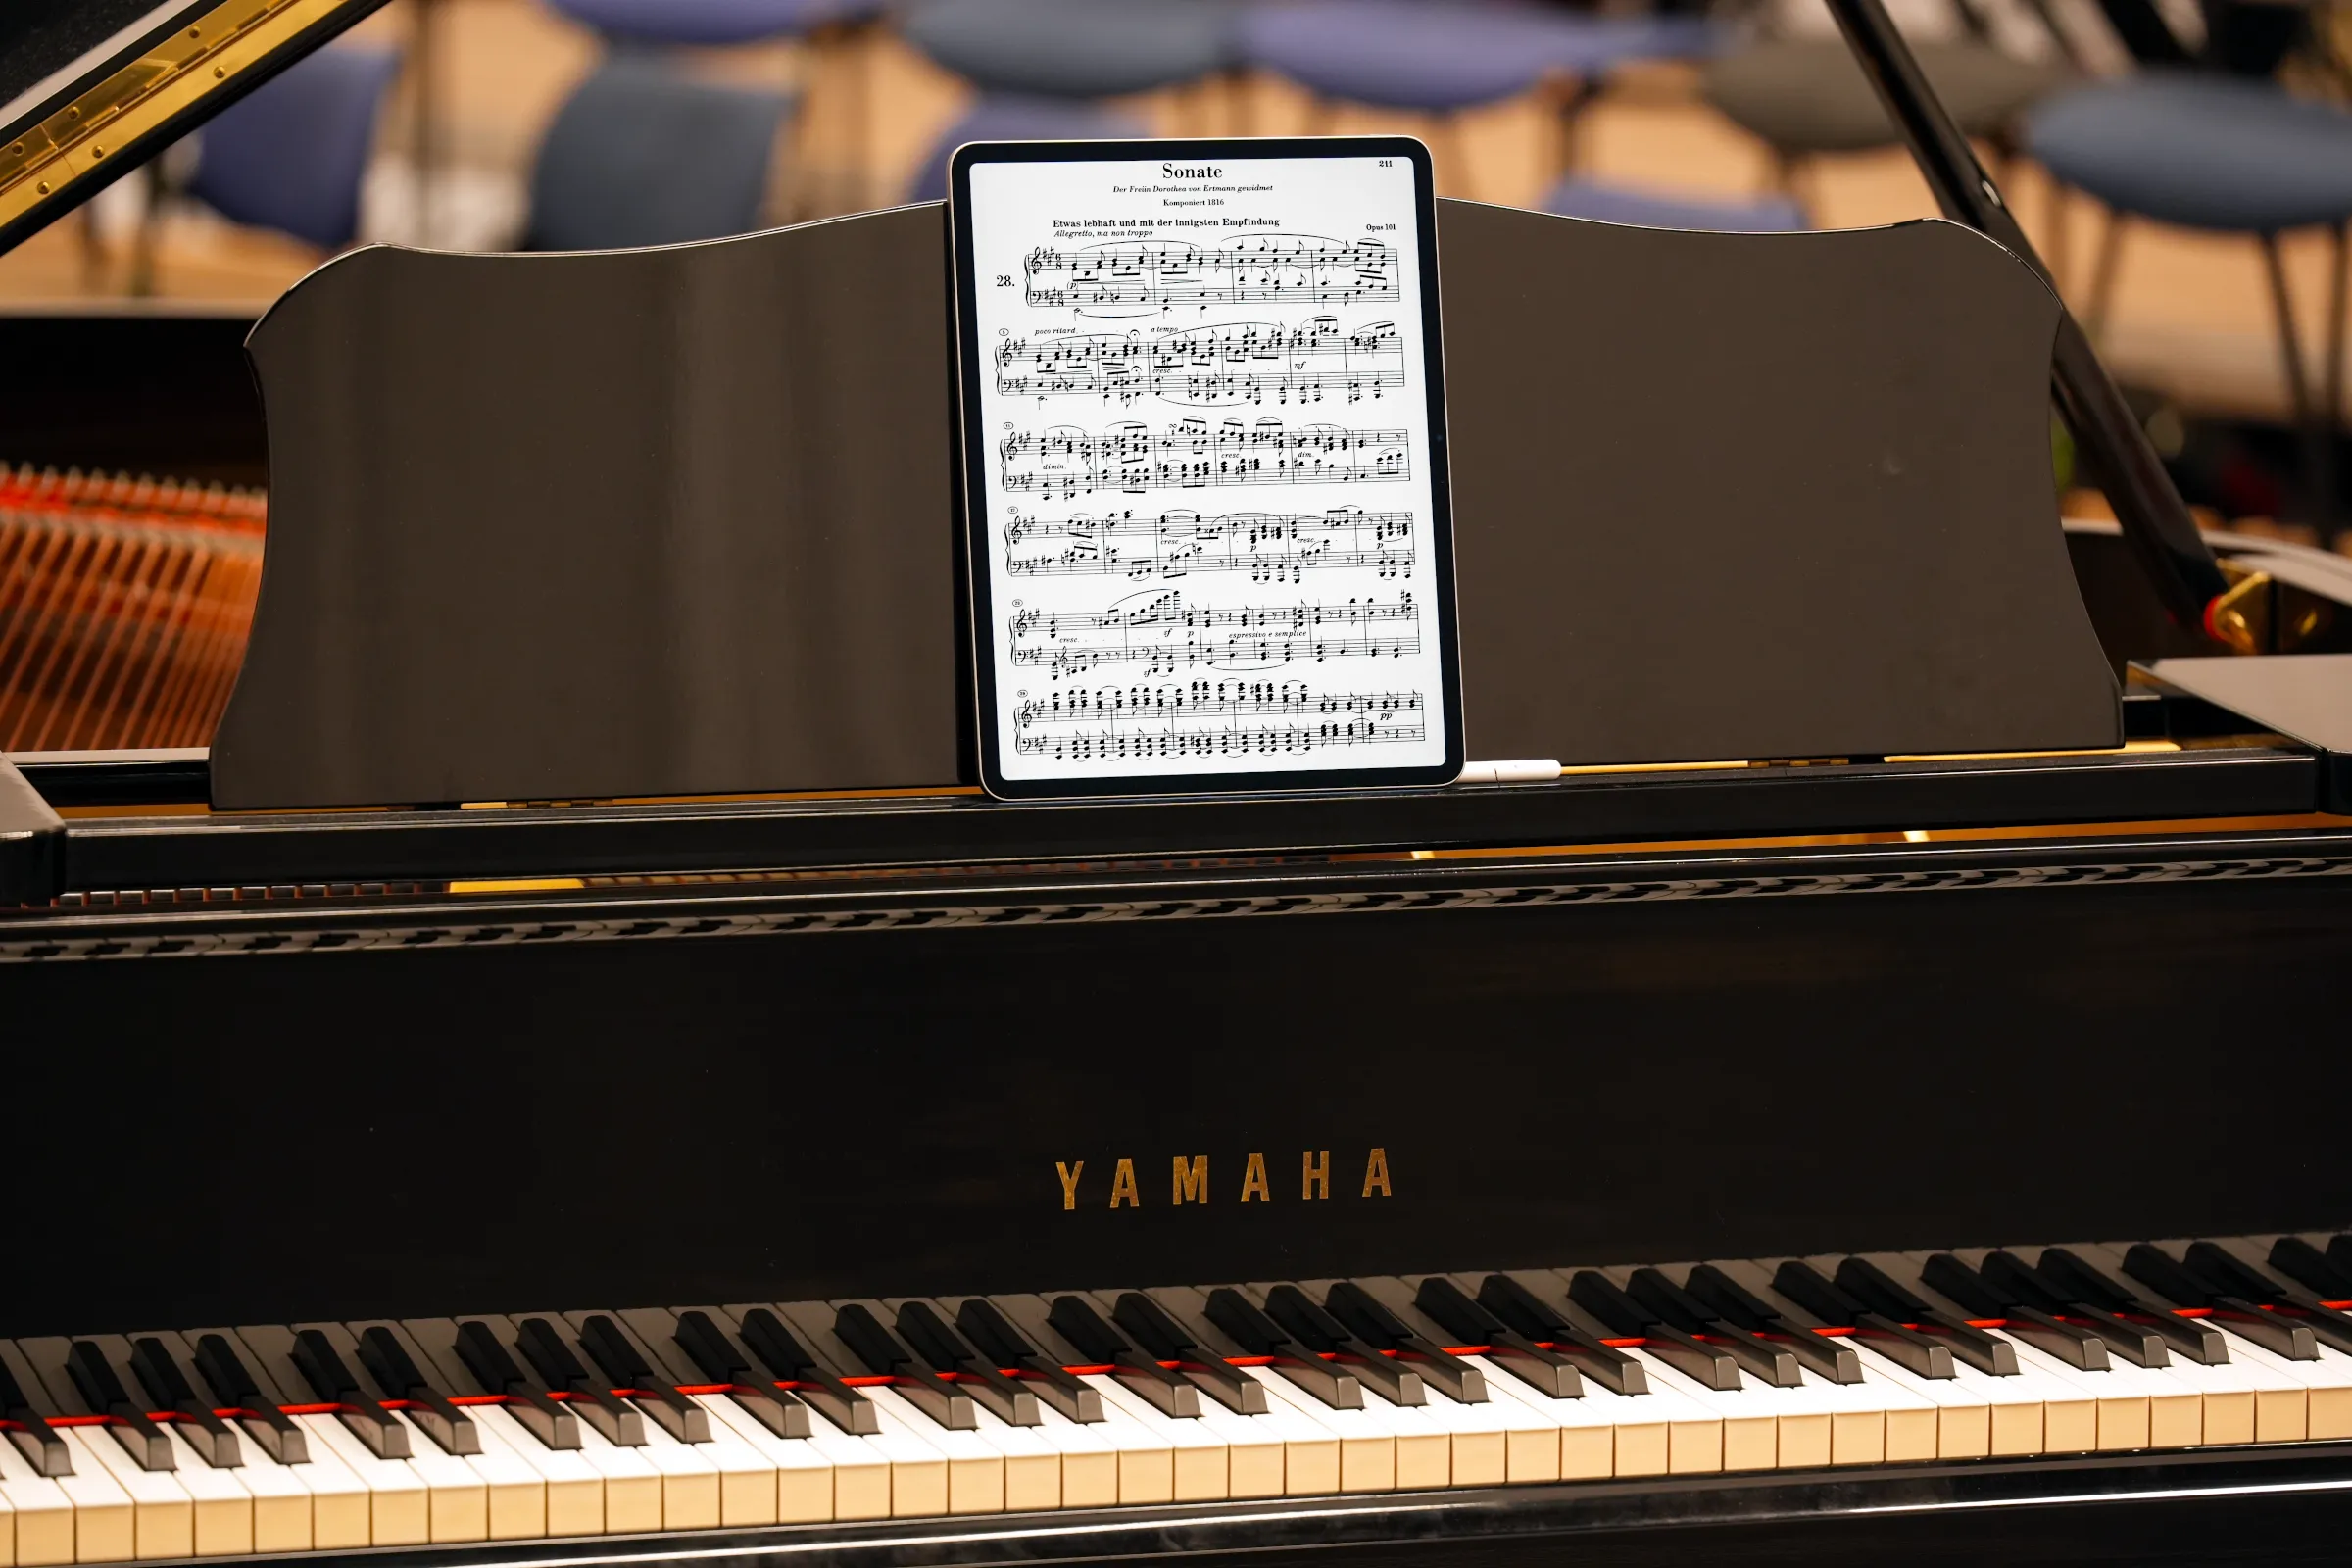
x: 2191, y: 314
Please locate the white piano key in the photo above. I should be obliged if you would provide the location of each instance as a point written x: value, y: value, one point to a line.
x: 399, y: 1506
x: 1164, y: 1459
x: 40, y: 1515
x: 920, y: 1484
x: 2029, y: 1412
x: 1538, y: 1447
x: 2282, y: 1414
x: 804, y: 1476
x: 1312, y: 1454
x: 1033, y: 1462
x: 1366, y: 1447
x: 162, y: 1518
x: 747, y: 1477
x: 690, y: 1480
x: 1603, y: 1432
x: 284, y: 1508
x: 975, y: 1468
x: 632, y: 1487
x: 691, y: 1492
x: 1150, y: 1462
x: 526, y: 1498
x: 1697, y: 1441
x: 1888, y: 1417
x: 2136, y: 1406
x: 859, y: 1472
x: 1271, y: 1455
x: 457, y: 1496
x: 224, y: 1524
x: 1091, y: 1460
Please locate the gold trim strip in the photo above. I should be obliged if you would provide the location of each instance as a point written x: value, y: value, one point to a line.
x: 73, y: 142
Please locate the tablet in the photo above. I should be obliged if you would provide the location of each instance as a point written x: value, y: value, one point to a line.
x: 1205, y: 500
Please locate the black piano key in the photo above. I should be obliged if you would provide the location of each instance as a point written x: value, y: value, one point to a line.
x: 2082, y: 1282
x: 2220, y: 1266
x: 1621, y: 1314
x: 333, y: 1381
x: 817, y: 1385
x: 126, y: 1420
x: 2340, y: 1252
x: 42, y: 1446
x: 169, y: 1393
x: 617, y: 1421
x: 1259, y: 1334
x: 1734, y: 1303
x: 2311, y: 1268
x: 1548, y: 1327
x: 388, y: 1361
x: 232, y: 1387
x: 2137, y: 1343
x: 1158, y: 1335
x: 2069, y: 1343
x: 1093, y: 1338
x: 994, y: 1335
x: 1332, y: 1343
x: 1775, y: 1364
x: 938, y: 1398
x: 2164, y: 1274
x: 718, y: 1357
x: 477, y: 1345
x: 1371, y: 1322
x: 1813, y: 1290
x: 610, y: 1346
x: 944, y: 1352
x: 1547, y: 1372
x: 1870, y: 1284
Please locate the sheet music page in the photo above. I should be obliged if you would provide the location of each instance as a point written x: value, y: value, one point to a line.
x: 1208, y: 494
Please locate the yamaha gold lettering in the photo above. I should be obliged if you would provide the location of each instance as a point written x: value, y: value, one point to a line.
x: 1190, y: 1183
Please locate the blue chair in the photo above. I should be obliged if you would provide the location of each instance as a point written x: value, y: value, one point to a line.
x: 290, y: 156
x: 836, y: 32
x: 1072, y: 49
x: 641, y: 154
x: 715, y: 21
x: 1008, y: 119
x: 2228, y: 155
x: 1575, y: 197
x: 1440, y: 57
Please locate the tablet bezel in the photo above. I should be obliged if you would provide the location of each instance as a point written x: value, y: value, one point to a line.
x: 973, y: 365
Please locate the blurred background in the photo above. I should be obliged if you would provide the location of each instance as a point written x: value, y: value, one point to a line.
x: 2186, y: 168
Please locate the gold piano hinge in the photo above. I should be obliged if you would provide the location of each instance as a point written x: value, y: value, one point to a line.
x: 2240, y: 618
x: 178, y: 72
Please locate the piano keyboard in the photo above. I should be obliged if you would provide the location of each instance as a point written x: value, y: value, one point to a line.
x: 316, y: 1437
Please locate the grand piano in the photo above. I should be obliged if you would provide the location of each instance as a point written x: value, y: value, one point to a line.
x: 573, y: 1071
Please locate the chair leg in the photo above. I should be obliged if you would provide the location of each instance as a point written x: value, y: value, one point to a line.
x: 1571, y: 96
x: 2316, y: 440
x: 2331, y: 391
x: 2101, y: 299
x: 2058, y: 252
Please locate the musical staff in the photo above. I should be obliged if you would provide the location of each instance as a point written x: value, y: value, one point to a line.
x: 1208, y: 720
x: 1270, y: 547
x: 1172, y: 273
x: 1161, y: 632
x: 1067, y: 462
x: 1246, y: 361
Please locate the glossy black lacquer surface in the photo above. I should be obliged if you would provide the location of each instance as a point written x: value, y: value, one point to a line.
x: 682, y: 521
x: 721, y: 1092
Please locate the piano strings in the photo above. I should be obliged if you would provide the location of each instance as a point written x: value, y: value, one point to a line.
x: 1246, y: 361
x: 1270, y: 547
x: 1067, y: 462
x: 1161, y: 632
x: 1205, y: 719
x: 1171, y: 273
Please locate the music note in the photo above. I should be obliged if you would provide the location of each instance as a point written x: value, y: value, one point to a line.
x: 1161, y: 632
x: 1067, y: 462
x: 1247, y: 362
x: 1210, y: 721
x: 1168, y: 272
x: 1270, y: 547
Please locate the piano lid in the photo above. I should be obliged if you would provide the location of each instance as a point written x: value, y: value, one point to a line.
x: 91, y: 89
